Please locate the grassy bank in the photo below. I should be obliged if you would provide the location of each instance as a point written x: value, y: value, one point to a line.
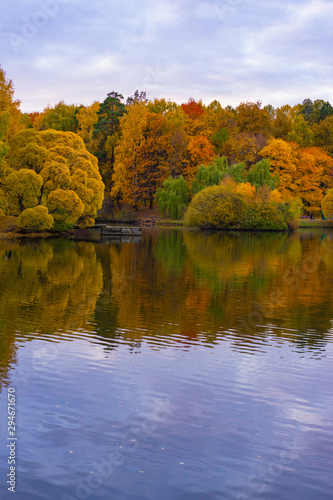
x: 315, y: 223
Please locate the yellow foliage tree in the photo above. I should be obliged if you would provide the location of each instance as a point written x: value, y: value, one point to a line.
x: 87, y: 117
x: 9, y: 108
x: 66, y: 208
x: 62, y: 163
x: 327, y: 204
x: 23, y: 189
x: 35, y: 219
x: 126, y: 177
x: 281, y: 155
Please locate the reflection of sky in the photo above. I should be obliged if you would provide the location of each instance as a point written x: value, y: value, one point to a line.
x: 226, y: 416
x: 230, y: 50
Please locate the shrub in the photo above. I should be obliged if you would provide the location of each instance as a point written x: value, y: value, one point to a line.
x: 215, y: 207
x: 35, y: 219
x: 292, y: 211
x: 263, y: 216
x: 239, y: 206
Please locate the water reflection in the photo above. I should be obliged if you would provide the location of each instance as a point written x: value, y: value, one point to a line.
x: 194, y: 287
x: 47, y: 288
x: 174, y: 286
x: 210, y: 352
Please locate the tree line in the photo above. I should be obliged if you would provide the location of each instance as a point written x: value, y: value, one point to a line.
x: 139, y: 143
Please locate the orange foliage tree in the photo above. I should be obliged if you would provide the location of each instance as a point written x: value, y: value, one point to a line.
x: 201, y: 152
x: 152, y: 156
x: 193, y: 109
x: 281, y: 155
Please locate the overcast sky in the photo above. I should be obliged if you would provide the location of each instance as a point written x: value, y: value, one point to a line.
x: 230, y: 50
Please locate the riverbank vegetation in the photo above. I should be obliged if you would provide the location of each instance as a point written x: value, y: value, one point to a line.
x: 58, y: 166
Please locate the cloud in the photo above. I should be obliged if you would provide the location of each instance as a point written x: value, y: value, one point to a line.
x: 230, y: 50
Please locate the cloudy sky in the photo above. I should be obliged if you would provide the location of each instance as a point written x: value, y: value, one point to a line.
x: 230, y: 50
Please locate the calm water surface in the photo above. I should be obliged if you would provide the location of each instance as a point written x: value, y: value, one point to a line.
x: 183, y: 366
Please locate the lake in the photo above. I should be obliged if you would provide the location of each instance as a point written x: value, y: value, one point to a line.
x: 184, y: 366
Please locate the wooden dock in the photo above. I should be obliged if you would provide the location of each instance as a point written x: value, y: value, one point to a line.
x: 102, y: 232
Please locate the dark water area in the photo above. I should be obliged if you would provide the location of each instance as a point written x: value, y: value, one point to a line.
x: 183, y: 366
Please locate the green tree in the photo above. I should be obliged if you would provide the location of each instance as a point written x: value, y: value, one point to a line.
x: 259, y: 175
x: 172, y: 199
x: 315, y: 112
x: 60, y: 117
x: 109, y: 114
x: 301, y: 132
x: 215, y: 172
x: 210, y: 175
x: 218, y: 139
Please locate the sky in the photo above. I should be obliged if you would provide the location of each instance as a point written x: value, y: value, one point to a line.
x: 230, y: 50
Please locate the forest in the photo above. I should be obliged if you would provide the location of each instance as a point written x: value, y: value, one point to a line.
x: 59, y: 165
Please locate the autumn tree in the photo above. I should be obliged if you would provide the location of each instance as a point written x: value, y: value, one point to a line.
x: 301, y: 132
x: 60, y: 117
x: 161, y: 106
x: 252, y: 118
x: 323, y: 135
x: 23, y: 189
x: 126, y: 176
x: 327, y: 204
x: 194, y: 123
x: 219, y: 137
x: 52, y: 161
x: 10, y: 113
x: 152, y: 156
x: 281, y: 156
x: 281, y: 124
x: 193, y: 109
x: 87, y: 118
x: 313, y: 175
x: 35, y: 219
x: 178, y: 159
x: 244, y: 148
x: 66, y: 208
x: 106, y: 135
x: 201, y: 152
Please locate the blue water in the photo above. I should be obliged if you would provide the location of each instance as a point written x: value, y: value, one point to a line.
x: 185, y: 366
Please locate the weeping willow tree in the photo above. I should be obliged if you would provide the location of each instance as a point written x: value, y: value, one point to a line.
x: 259, y: 175
x: 172, y: 199
x: 327, y: 204
x: 214, y: 173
